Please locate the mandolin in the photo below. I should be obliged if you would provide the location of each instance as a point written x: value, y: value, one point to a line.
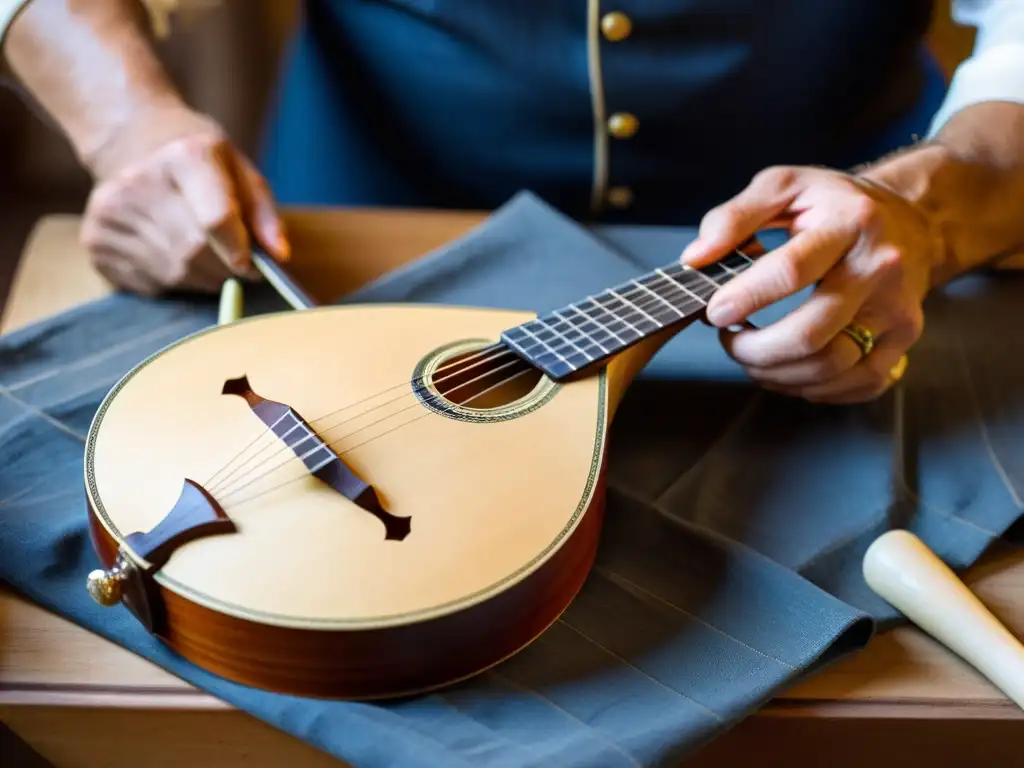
x: 370, y: 501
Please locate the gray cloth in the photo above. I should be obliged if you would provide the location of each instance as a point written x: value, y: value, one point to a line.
x: 730, y: 560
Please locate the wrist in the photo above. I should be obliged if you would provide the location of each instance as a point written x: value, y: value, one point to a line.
x: 916, y: 177
x: 965, y: 204
x: 143, y: 129
x: 90, y: 67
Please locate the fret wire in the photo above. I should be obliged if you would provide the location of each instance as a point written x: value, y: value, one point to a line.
x: 633, y: 305
x: 585, y: 334
x: 323, y: 464
x: 538, y: 359
x: 683, y: 302
x: 591, y: 336
x: 680, y: 287
x: 562, y: 337
x: 585, y: 337
x: 681, y: 266
x: 699, y: 288
x: 656, y: 312
x: 298, y: 422
x: 708, y: 279
x: 710, y: 271
x: 633, y: 309
x: 309, y: 435
x: 597, y: 303
x: 660, y: 298
x: 683, y: 279
x: 544, y: 344
x: 594, y: 320
x: 553, y: 328
x: 614, y: 319
x: 602, y: 335
x: 644, y: 308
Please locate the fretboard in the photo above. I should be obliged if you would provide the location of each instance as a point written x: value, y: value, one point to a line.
x: 578, y: 335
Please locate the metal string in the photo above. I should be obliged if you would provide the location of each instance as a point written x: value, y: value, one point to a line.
x: 488, y: 354
x: 485, y: 354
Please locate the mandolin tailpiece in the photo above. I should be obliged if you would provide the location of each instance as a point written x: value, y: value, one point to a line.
x: 195, y: 515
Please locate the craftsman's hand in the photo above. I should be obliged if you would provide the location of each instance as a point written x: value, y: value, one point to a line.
x: 174, y: 207
x: 868, y: 251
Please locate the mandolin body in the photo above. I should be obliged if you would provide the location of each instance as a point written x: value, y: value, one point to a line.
x: 296, y: 588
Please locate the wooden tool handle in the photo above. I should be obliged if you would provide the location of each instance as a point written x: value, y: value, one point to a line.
x: 232, y: 303
x: 902, y: 570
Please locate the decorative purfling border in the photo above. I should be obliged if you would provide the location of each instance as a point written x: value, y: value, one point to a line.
x: 335, y: 624
x: 541, y: 394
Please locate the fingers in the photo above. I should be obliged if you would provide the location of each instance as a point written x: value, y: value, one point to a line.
x: 861, y: 249
x: 260, y: 209
x: 764, y: 200
x: 866, y: 381
x: 118, y: 268
x: 143, y: 237
x: 841, y: 373
x: 838, y: 356
x: 808, y: 329
x: 790, y: 268
x: 181, y: 220
x: 203, y: 177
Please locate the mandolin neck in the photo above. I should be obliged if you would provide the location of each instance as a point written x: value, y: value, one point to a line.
x: 577, y: 336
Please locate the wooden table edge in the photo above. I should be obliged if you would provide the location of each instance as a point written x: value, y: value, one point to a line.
x: 194, y: 700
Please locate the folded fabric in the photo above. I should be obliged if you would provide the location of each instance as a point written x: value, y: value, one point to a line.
x: 808, y: 486
x: 729, y: 564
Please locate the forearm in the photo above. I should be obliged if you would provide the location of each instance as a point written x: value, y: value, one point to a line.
x: 90, y: 66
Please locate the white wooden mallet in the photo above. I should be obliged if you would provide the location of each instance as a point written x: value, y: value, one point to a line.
x: 902, y: 570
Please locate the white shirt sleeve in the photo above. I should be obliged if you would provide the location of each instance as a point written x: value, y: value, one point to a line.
x: 995, y: 69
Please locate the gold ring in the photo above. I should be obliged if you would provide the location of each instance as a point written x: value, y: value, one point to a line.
x: 897, y: 371
x: 863, y: 338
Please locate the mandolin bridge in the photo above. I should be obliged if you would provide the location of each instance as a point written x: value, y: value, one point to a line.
x: 320, y: 460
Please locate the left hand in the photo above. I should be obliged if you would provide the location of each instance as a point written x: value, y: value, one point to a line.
x: 870, y: 254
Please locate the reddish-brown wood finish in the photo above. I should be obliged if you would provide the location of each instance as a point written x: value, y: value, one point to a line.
x: 387, y: 662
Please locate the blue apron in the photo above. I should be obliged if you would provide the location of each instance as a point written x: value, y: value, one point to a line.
x: 642, y: 111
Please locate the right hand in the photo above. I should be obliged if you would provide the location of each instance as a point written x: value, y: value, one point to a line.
x: 174, y: 207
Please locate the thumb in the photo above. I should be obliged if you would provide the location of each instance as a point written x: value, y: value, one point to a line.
x: 259, y: 210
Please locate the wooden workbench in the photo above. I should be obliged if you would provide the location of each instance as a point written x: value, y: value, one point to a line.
x: 83, y: 702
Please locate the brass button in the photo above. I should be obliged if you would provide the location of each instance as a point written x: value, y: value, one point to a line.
x: 623, y: 125
x: 616, y: 26
x: 620, y: 197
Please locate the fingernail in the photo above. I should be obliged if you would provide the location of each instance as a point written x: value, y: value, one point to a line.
x: 721, y: 314
x: 691, y: 252
x: 276, y: 240
x: 284, y: 248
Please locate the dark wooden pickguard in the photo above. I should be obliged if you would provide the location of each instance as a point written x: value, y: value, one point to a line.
x: 293, y: 430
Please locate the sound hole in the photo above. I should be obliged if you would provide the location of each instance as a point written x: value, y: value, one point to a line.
x: 484, y: 380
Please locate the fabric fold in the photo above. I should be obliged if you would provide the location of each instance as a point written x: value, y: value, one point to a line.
x: 728, y: 567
